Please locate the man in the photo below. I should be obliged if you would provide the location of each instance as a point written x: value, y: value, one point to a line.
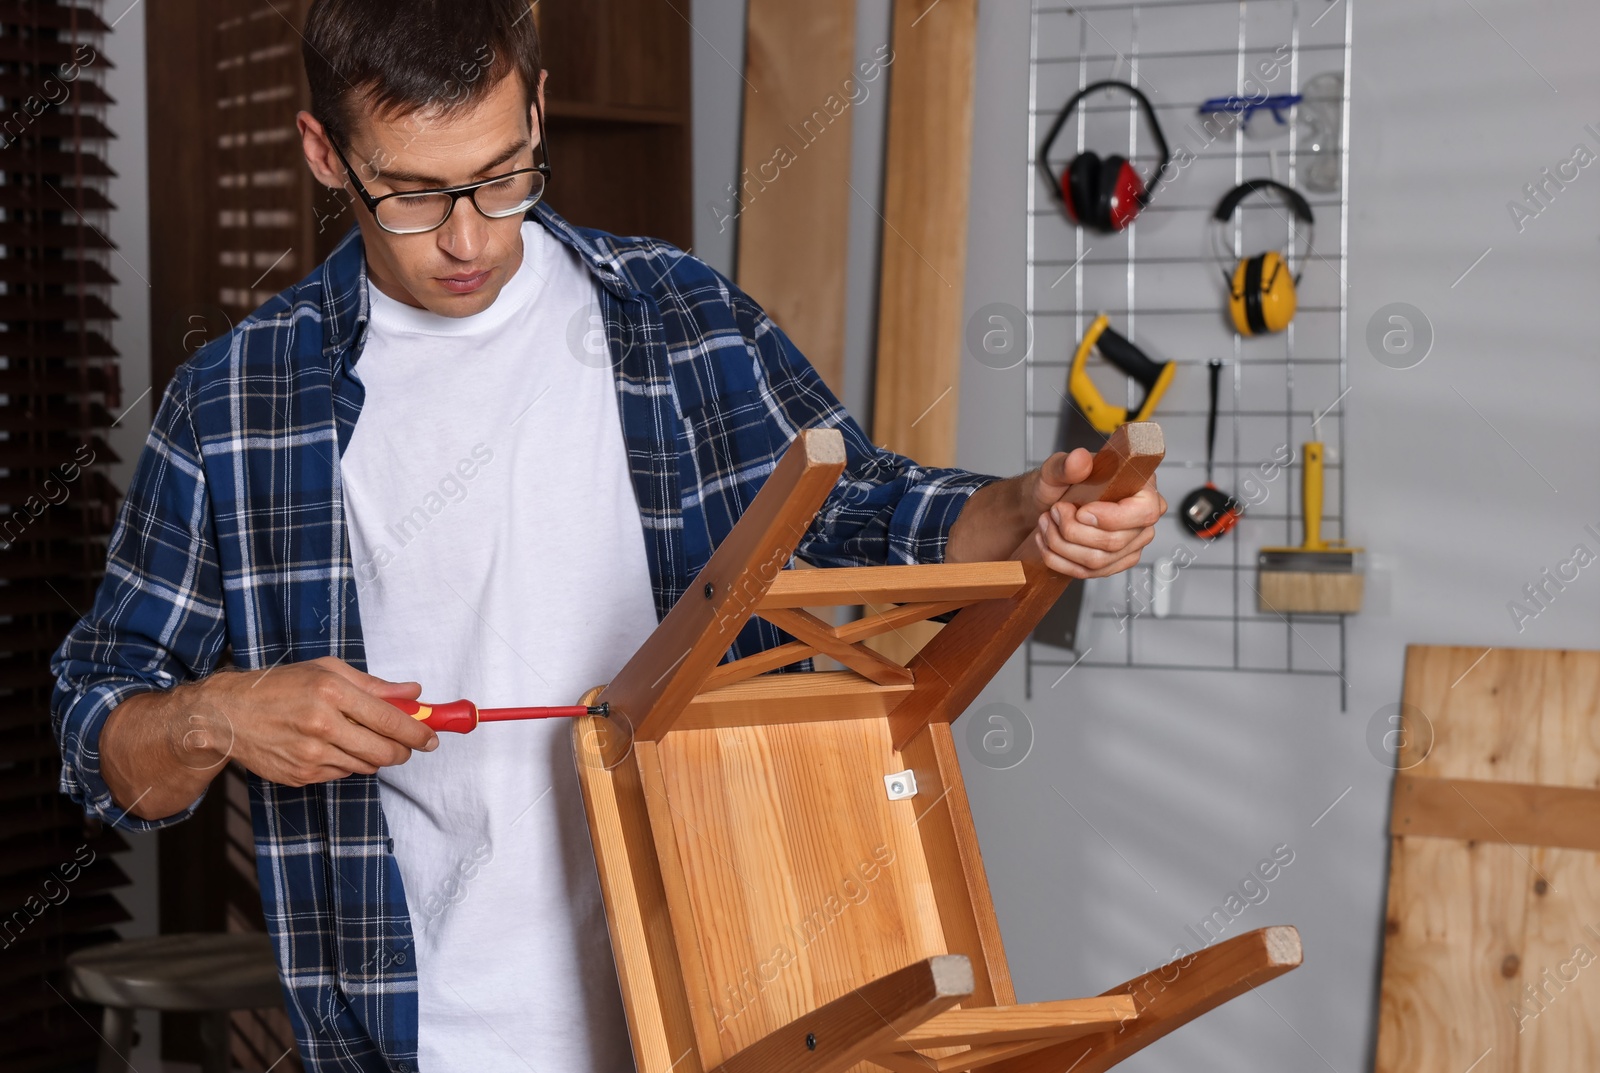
x: 477, y: 452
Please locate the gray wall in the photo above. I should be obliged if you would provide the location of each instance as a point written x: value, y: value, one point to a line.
x: 1147, y: 796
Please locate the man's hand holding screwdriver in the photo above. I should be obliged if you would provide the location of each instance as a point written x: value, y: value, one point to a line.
x: 295, y: 724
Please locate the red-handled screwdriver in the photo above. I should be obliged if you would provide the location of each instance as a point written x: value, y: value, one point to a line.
x: 463, y: 716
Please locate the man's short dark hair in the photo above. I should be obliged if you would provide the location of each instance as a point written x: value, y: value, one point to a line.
x: 398, y: 57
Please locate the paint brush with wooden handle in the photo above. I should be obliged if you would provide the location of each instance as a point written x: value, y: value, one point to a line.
x: 1318, y: 577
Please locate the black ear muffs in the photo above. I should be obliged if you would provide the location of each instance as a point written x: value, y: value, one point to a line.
x: 1105, y: 194
x: 1261, y: 289
x: 1078, y: 189
x: 1253, y: 271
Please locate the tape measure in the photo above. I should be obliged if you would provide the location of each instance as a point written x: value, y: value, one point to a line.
x: 1208, y: 512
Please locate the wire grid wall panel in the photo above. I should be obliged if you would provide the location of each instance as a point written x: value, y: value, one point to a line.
x: 1163, y: 288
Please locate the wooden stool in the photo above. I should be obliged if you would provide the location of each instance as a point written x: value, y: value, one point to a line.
x: 211, y: 974
x: 791, y: 873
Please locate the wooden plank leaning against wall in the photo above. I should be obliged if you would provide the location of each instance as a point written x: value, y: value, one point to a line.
x: 792, y: 197
x: 794, y: 204
x: 1492, y: 930
x: 927, y: 183
x: 926, y: 187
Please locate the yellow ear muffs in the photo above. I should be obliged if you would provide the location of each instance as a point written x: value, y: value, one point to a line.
x: 1261, y: 296
x: 1261, y: 289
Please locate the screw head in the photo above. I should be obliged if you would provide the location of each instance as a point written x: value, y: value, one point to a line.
x: 811, y: 1041
x: 710, y: 588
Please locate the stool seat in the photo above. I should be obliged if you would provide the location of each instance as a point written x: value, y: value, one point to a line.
x: 179, y: 973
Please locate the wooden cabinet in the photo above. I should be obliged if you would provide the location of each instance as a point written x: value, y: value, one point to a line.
x: 618, y: 103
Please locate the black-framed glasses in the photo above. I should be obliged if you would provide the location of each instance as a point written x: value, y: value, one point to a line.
x: 411, y: 212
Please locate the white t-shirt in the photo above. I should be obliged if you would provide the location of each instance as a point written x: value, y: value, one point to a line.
x: 499, y: 557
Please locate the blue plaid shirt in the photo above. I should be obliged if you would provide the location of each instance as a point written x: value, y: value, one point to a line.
x: 232, y: 536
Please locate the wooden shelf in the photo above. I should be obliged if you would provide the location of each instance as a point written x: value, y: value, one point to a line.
x: 619, y: 96
x: 614, y: 113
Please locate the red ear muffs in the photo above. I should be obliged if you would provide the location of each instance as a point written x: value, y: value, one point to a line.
x: 1124, y: 196
x: 1105, y: 194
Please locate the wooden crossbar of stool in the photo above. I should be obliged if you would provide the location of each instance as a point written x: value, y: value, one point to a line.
x: 209, y: 974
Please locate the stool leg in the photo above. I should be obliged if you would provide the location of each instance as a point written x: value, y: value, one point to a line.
x: 214, y: 1042
x: 116, y: 1026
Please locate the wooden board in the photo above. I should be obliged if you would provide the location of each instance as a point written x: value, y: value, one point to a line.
x: 927, y: 180
x: 926, y: 183
x: 1473, y: 924
x: 960, y: 885
x: 902, y: 584
x: 793, y: 698
x: 794, y: 182
x: 649, y: 975
x: 1062, y: 1018
x: 1477, y: 810
x: 1170, y: 997
x: 804, y: 881
x: 863, y: 1022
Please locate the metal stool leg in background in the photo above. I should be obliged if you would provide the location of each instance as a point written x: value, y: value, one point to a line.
x: 214, y: 1042
x: 116, y: 1030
